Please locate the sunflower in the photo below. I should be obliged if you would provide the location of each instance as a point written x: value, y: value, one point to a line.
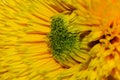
x: 59, y: 40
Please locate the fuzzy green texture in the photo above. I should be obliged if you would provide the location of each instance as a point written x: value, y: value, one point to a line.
x: 62, y: 41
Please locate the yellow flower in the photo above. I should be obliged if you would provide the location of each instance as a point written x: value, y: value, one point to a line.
x: 59, y: 40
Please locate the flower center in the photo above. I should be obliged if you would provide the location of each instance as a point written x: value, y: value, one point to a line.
x: 61, y: 39
x: 64, y: 43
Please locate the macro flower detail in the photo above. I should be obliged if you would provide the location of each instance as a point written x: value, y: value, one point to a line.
x: 59, y: 40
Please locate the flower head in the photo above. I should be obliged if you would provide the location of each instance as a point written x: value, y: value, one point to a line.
x: 59, y: 40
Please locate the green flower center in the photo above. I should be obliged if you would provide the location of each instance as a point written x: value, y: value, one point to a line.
x: 61, y: 39
x: 64, y: 43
